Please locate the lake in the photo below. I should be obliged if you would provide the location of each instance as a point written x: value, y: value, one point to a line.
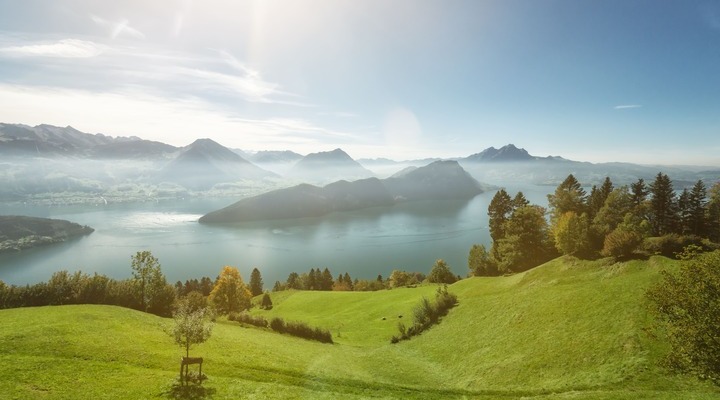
x: 364, y: 243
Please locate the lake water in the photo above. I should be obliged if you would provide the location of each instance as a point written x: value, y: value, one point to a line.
x: 363, y: 243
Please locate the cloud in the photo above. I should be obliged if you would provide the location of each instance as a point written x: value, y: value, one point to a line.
x: 173, y: 120
x: 118, y: 28
x: 66, y: 48
x: 627, y: 106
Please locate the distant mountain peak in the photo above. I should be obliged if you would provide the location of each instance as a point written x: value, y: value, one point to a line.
x: 509, y: 152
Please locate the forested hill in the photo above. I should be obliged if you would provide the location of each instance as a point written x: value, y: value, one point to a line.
x: 19, y: 232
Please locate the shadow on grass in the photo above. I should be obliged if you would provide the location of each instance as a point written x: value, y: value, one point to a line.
x: 188, y: 392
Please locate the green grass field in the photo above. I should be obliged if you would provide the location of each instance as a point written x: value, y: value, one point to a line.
x: 567, y: 329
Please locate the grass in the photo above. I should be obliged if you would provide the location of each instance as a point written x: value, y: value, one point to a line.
x: 567, y: 329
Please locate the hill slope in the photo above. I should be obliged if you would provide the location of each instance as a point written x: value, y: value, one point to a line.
x: 563, y: 330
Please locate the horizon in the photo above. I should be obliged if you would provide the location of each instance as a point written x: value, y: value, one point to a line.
x: 595, y: 82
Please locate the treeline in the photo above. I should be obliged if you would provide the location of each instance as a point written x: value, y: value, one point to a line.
x: 323, y: 280
x: 147, y: 290
x: 622, y: 222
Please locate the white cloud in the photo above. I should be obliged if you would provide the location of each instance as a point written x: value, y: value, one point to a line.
x: 66, y: 48
x: 118, y: 28
x: 627, y: 106
x: 176, y: 121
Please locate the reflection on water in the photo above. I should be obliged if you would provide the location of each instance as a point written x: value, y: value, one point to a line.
x: 364, y: 243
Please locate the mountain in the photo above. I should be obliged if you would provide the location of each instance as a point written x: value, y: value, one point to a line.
x: 439, y: 180
x: 205, y: 163
x: 133, y: 149
x: 19, y: 232
x: 275, y: 157
x: 48, y: 140
x: 328, y: 166
x: 504, y: 154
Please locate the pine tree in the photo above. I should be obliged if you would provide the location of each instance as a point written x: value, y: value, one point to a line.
x: 519, y: 201
x: 683, y: 212
x: 293, y: 281
x: 569, y: 196
x: 663, y: 206
x: 697, y: 210
x: 326, y: 280
x: 349, y: 281
x: 256, y: 282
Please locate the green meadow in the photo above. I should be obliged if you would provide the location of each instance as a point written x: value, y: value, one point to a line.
x: 568, y: 329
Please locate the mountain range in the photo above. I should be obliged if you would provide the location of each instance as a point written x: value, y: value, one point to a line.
x: 49, y: 159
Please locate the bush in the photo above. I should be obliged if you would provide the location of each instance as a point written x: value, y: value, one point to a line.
x: 301, y: 329
x: 427, y: 313
x: 670, y: 245
x: 245, y: 318
x: 620, y: 243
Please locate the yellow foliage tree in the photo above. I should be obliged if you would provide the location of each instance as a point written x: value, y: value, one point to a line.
x: 230, y: 293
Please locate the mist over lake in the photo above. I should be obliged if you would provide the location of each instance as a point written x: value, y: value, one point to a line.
x: 364, y: 243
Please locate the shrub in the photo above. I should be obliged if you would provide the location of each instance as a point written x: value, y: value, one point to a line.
x: 620, y: 243
x: 670, y: 245
x: 245, y: 318
x: 427, y: 313
x: 301, y: 329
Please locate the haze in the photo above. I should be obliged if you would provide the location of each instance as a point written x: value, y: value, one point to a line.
x: 593, y: 81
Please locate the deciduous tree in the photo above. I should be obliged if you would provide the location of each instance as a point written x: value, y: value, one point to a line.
x: 230, y: 292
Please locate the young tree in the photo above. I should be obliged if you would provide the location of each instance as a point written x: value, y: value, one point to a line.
x: 266, y: 303
x: 621, y: 243
x: 149, y: 280
x: 192, y: 326
x: 230, y: 293
x: 256, y: 282
x: 440, y: 273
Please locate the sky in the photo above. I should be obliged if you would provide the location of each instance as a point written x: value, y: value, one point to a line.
x: 612, y: 80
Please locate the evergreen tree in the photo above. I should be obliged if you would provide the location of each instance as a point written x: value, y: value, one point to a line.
x: 312, y: 281
x: 278, y: 287
x: 617, y: 205
x: 256, y: 282
x: 639, y: 192
x: 683, y: 212
x: 519, y: 201
x: 293, y: 281
x: 266, y: 303
x: 663, y: 206
x: 348, y: 281
x: 598, y: 196
x: 568, y: 197
x: 480, y: 262
x: 697, y: 210
x: 326, y: 280
x: 713, y: 214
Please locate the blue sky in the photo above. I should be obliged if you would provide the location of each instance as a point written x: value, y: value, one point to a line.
x: 635, y: 81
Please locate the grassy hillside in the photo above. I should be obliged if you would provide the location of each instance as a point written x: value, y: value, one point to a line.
x: 567, y: 329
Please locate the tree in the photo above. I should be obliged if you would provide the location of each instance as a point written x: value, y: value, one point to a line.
x: 663, y: 208
x: 569, y: 196
x: 526, y: 243
x: 572, y: 234
x: 697, y: 210
x: 266, y: 302
x: 230, y: 293
x: 481, y: 262
x: 639, y: 192
x: 326, y: 280
x: 499, y: 211
x: 151, y: 284
x: 598, y: 196
x: 398, y: 279
x: 293, y: 281
x: 519, y: 201
x: 713, y: 213
x: 686, y: 307
x: 192, y: 326
x: 617, y: 205
x: 256, y: 282
x: 440, y: 273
